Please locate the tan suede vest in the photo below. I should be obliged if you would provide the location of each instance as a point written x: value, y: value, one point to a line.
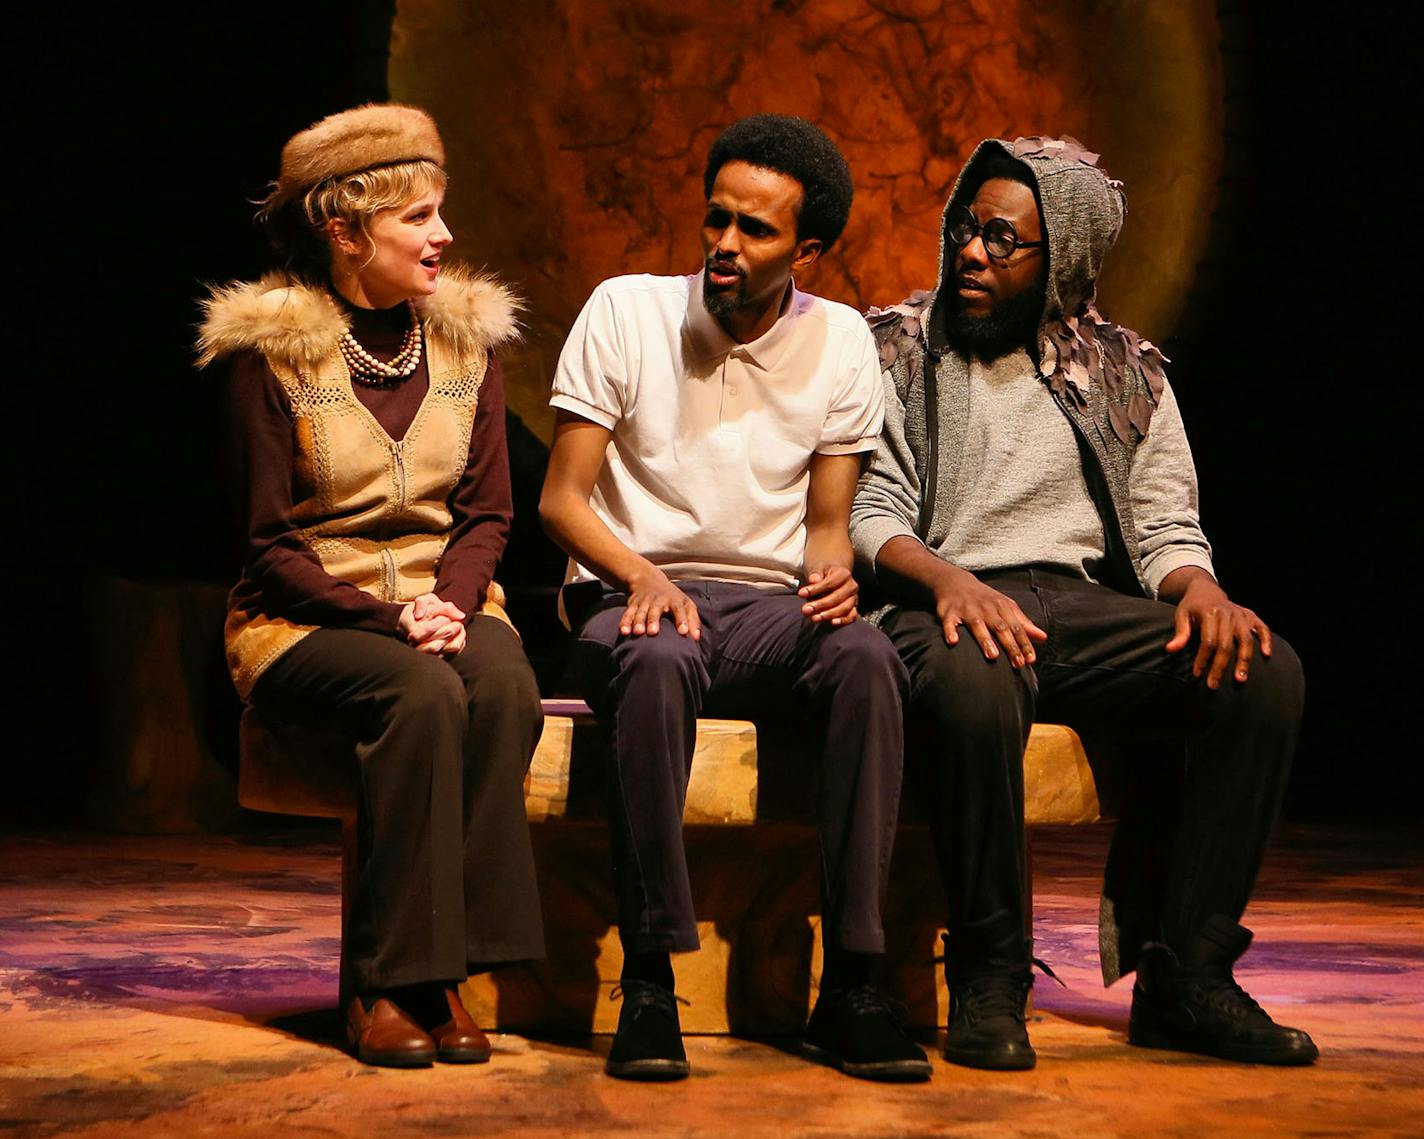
x: 374, y: 511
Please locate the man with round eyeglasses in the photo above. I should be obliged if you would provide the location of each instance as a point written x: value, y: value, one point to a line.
x: 1030, y: 526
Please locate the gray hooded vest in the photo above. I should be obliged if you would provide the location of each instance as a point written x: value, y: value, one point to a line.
x: 1106, y: 380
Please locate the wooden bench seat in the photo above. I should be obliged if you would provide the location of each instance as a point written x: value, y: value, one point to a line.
x: 751, y: 852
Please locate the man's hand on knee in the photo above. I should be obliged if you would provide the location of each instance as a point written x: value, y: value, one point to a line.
x: 993, y: 619
x: 1226, y: 632
x: 649, y: 597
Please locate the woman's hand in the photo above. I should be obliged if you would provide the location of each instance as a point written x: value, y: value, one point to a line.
x: 432, y: 625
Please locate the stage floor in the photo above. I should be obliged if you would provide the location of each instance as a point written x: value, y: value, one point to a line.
x: 186, y: 985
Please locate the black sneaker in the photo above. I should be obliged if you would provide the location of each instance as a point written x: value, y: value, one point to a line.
x: 648, y: 1043
x: 857, y: 1031
x: 986, y: 1022
x: 1204, y: 1010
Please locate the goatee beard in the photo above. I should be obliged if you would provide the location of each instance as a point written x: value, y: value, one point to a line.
x: 723, y: 301
x: 1007, y: 327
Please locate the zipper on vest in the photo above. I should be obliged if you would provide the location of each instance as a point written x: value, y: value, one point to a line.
x: 398, y: 451
x: 929, y: 491
x: 388, y: 563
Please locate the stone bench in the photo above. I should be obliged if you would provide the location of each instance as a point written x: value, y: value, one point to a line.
x: 752, y: 854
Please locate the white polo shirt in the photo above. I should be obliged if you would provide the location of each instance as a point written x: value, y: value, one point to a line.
x: 707, y: 470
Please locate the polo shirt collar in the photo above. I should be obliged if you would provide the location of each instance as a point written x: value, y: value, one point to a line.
x: 711, y: 340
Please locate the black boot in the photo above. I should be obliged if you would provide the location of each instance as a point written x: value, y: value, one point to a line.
x: 856, y: 1030
x: 986, y: 964
x: 648, y: 1043
x: 1192, y: 1003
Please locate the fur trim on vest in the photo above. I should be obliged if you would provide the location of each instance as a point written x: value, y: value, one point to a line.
x: 301, y: 324
x: 374, y: 512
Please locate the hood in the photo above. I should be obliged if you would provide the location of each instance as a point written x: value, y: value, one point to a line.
x: 289, y: 320
x: 1082, y: 210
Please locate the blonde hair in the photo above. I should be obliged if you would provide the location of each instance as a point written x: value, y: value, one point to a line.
x: 357, y: 198
x: 297, y: 226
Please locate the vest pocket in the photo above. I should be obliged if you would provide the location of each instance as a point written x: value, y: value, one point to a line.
x: 388, y: 570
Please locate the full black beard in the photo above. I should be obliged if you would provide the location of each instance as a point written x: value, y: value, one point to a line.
x: 1009, y: 326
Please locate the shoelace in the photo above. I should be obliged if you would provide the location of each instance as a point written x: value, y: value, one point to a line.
x: 1225, y: 994
x: 867, y: 998
x: 644, y: 990
x: 1047, y: 970
x: 994, y: 996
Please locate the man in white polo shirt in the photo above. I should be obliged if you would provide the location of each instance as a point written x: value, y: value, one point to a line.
x: 710, y: 432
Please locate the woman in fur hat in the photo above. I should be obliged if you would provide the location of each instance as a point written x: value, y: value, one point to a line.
x: 368, y: 413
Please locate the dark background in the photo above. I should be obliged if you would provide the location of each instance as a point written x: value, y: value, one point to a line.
x: 140, y: 131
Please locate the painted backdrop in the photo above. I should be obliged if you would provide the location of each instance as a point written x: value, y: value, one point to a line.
x: 577, y: 131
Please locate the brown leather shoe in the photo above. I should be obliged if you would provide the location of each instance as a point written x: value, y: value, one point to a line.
x: 385, y: 1036
x: 459, y: 1040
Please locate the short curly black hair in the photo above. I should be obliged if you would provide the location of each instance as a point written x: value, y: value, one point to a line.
x: 793, y: 147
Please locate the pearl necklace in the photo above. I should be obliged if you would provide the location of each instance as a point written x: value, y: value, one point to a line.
x: 366, y: 369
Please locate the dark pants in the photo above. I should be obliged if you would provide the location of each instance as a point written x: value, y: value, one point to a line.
x: 758, y: 656
x: 1103, y: 672
x: 445, y: 883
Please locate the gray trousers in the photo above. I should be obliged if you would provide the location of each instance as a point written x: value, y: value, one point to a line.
x: 758, y: 657
x: 445, y: 883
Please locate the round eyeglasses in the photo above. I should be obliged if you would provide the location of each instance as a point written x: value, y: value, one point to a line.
x: 1000, y: 237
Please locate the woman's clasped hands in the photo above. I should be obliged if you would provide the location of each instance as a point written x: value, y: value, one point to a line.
x: 432, y: 625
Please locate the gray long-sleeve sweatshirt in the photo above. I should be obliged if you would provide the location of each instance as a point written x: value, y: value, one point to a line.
x: 1010, y: 485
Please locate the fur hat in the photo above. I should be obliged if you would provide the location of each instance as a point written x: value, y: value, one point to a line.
x: 377, y: 134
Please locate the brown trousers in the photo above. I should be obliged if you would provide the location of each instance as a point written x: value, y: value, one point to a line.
x: 446, y: 882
